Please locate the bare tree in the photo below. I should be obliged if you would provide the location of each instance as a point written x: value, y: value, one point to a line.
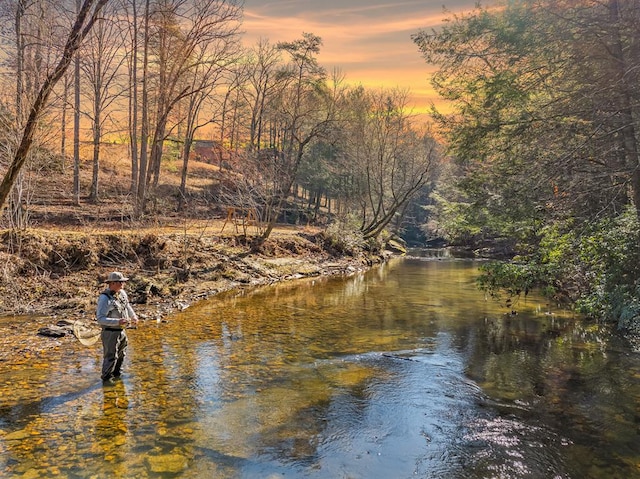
x: 27, y: 31
x: 229, y: 111
x: 212, y: 63
x: 102, y: 59
x: 392, y: 161
x: 264, y: 61
x: 144, y: 120
x: 76, y: 122
x: 132, y: 59
x: 182, y: 29
x: 304, y: 111
x: 63, y: 119
x: 16, y: 201
x: 83, y: 23
x: 204, y: 84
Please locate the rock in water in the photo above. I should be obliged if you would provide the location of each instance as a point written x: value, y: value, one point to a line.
x: 167, y: 463
x: 396, y: 247
x: 52, y: 331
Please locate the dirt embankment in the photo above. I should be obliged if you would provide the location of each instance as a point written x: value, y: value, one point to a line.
x: 58, y: 274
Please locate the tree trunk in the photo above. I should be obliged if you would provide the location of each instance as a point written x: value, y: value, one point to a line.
x: 16, y: 208
x: 96, y: 153
x: 76, y: 126
x: 63, y: 125
x: 133, y: 104
x: 153, y: 174
x: 19, y: 61
x: 186, y: 151
x: 76, y: 133
x: 626, y: 109
x: 144, y: 132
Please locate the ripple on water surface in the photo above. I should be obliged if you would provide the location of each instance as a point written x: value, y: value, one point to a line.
x: 406, y: 371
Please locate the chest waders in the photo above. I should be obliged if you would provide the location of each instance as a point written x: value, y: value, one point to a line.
x: 114, y: 339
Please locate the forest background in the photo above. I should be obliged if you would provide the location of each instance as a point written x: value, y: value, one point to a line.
x: 151, y: 112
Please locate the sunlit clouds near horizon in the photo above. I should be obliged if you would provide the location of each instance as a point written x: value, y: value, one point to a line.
x: 369, y: 42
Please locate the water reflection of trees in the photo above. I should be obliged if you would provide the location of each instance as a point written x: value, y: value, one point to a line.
x: 564, y: 369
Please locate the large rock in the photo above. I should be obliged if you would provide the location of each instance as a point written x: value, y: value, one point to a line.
x: 396, y: 247
x: 52, y: 331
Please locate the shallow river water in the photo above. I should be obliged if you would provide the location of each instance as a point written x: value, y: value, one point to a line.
x: 405, y: 371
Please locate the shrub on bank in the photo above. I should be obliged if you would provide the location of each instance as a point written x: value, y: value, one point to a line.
x: 595, y: 266
x: 345, y: 237
x: 610, y: 255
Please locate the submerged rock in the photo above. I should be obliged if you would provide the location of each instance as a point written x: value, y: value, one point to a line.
x: 17, y: 435
x: 172, y: 463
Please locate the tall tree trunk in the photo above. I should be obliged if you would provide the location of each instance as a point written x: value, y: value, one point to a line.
x: 76, y: 131
x: 626, y: 109
x: 316, y: 210
x: 16, y: 207
x: 144, y: 131
x: 76, y: 126
x: 186, y: 151
x: 155, y: 159
x: 63, y: 122
x: 223, y: 119
x: 20, y: 8
x: 96, y: 150
x: 133, y: 104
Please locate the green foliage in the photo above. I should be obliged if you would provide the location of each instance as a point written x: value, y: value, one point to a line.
x: 556, y: 244
x: 543, y: 97
x: 610, y: 257
x: 549, y: 267
x: 171, y: 150
x: 454, y: 219
x: 469, y: 217
x: 512, y: 279
x: 596, y: 267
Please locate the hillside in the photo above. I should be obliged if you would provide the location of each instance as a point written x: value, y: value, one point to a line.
x: 50, y: 200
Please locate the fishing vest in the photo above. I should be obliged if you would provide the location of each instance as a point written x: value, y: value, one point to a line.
x: 117, y: 304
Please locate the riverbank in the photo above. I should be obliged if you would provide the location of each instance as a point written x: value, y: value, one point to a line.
x: 54, y: 275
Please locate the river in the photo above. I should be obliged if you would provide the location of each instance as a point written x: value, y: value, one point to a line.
x: 404, y: 371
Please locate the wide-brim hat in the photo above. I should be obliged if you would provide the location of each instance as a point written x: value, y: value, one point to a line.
x: 116, y: 276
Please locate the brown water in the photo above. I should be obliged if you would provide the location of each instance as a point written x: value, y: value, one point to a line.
x: 405, y: 371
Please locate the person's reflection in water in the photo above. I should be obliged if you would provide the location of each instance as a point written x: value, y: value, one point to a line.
x: 111, y: 428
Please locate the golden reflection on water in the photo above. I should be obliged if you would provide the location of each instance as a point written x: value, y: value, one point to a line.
x: 406, y: 370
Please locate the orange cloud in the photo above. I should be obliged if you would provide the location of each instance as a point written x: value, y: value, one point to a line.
x: 370, y: 43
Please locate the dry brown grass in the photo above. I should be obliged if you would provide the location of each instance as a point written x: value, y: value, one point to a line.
x: 51, y: 204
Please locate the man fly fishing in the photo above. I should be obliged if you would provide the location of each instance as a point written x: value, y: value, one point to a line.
x: 114, y: 313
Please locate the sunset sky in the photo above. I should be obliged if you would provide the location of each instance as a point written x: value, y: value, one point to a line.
x: 368, y: 40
